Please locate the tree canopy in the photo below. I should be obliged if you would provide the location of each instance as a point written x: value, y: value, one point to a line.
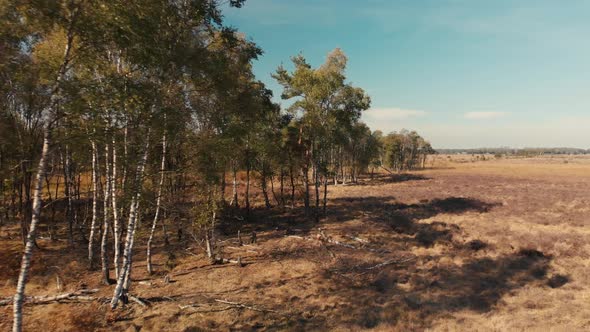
x: 129, y: 110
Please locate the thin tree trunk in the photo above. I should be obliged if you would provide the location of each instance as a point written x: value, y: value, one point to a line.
x: 28, y: 252
x: 248, y: 187
x: 272, y: 190
x: 213, y: 239
x: 325, y: 194
x: 158, y: 200
x: 94, y: 204
x: 106, y: 213
x: 317, y: 193
x: 208, y: 245
x: 234, y: 200
x: 223, y: 185
x: 282, y: 190
x: 116, y: 221
x: 53, y: 228
x: 41, y: 170
x: 123, y: 281
x: 264, y: 187
x: 28, y: 207
x: 69, y: 193
x: 127, y: 277
x: 306, y: 188
x: 292, y: 178
x: 125, y: 159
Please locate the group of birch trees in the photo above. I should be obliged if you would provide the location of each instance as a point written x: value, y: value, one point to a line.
x: 404, y: 150
x: 91, y: 91
x: 116, y: 115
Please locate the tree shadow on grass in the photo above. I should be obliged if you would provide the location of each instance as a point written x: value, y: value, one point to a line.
x: 378, y: 179
x: 400, y: 217
x: 405, y: 219
x: 411, y: 294
x: 405, y: 295
x: 412, y: 297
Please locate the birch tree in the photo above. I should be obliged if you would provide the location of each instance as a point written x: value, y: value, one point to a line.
x: 323, y: 101
x: 51, y: 110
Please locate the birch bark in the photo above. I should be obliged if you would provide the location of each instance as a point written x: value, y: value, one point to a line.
x: 158, y: 202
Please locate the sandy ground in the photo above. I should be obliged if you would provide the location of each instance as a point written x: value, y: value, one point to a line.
x: 471, y: 245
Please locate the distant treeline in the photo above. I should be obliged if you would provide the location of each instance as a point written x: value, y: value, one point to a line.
x: 516, y: 152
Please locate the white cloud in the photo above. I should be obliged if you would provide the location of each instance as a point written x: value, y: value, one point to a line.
x: 483, y: 115
x: 392, y: 113
x: 389, y: 119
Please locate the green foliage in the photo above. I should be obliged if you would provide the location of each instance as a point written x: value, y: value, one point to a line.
x: 326, y: 110
x: 405, y: 150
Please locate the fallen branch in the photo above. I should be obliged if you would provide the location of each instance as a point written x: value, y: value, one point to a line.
x: 244, y: 306
x: 355, y: 270
x: 390, y: 172
x: 341, y: 244
x: 210, y: 307
x: 323, y: 237
x: 196, y: 305
x: 218, y: 261
x: 357, y: 239
x: 78, y: 295
x: 389, y: 262
x: 298, y: 237
x: 138, y: 301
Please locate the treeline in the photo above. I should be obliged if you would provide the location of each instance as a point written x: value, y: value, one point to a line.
x: 404, y: 150
x: 113, y: 113
x: 515, y: 152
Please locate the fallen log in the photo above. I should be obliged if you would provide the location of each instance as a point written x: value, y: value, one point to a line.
x: 358, y: 239
x: 323, y: 238
x: 244, y: 306
x: 341, y: 244
x: 219, y: 261
x: 138, y: 300
x: 298, y: 237
x: 80, y: 295
x: 358, y: 270
x: 389, y: 262
x: 197, y: 305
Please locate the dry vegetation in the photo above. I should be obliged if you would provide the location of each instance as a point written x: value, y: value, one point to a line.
x: 468, y: 245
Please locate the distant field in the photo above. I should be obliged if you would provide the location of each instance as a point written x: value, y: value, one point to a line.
x: 470, y: 244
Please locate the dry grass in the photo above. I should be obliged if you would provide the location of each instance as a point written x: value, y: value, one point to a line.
x: 488, y: 245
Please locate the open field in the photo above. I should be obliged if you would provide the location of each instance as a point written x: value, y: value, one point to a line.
x: 490, y: 245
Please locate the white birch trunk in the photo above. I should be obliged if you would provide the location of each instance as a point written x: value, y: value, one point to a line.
x: 116, y: 221
x: 94, y: 204
x: 106, y: 214
x: 126, y: 160
x: 70, y: 192
x: 127, y: 272
x: 158, y: 201
x: 234, y: 197
x: 36, y: 213
x: 123, y: 280
x: 19, y: 296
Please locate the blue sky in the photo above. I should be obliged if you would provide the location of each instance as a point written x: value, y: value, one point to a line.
x: 463, y: 73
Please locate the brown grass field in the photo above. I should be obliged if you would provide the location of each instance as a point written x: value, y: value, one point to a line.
x: 470, y: 245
